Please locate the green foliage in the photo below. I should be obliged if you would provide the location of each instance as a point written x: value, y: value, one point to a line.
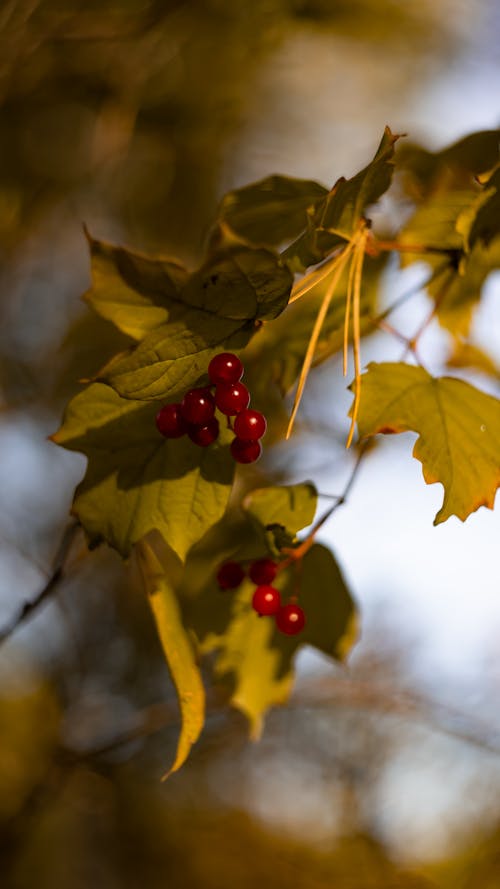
x: 182, y: 320
x: 244, y: 297
x: 137, y: 482
x: 336, y: 217
x: 458, y: 426
x: 271, y: 211
x: 178, y: 650
x: 253, y: 661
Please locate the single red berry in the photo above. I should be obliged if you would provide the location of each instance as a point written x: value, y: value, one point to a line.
x: 263, y: 571
x: 290, y: 619
x: 225, y: 368
x: 198, y: 406
x: 231, y: 398
x: 266, y: 600
x: 250, y: 425
x: 230, y: 575
x: 204, y: 435
x: 245, y: 451
x: 170, y: 422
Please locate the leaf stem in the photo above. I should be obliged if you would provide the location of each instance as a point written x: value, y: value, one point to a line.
x: 295, y: 555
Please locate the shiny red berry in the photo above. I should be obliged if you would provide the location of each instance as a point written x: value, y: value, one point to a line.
x: 290, y: 619
x: 263, y: 571
x: 266, y: 600
x: 230, y: 575
x: 170, y: 422
x: 250, y: 425
x: 231, y: 398
x: 204, y: 435
x: 225, y: 368
x: 245, y: 451
x: 198, y: 406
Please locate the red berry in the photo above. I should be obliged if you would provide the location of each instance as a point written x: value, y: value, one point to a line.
x: 266, y: 600
x: 231, y: 398
x: 263, y: 571
x: 225, y: 368
x: 290, y: 619
x: 250, y: 425
x: 170, y: 422
x: 198, y: 406
x: 245, y: 451
x: 230, y: 575
x: 204, y: 435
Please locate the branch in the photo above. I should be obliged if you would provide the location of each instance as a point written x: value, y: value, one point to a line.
x: 294, y: 555
x: 377, y: 696
x: 32, y: 605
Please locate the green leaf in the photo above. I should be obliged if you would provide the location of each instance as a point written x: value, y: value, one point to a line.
x: 470, y: 355
x: 243, y: 283
x: 252, y: 659
x: 458, y: 428
x: 178, y: 652
x: 256, y: 671
x: 133, y: 291
x: 337, y: 216
x: 289, y: 506
x: 457, y: 164
x: 442, y: 223
x: 486, y: 224
x: 272, y: 210
x: 136, y: 480
x: 331, y: 616
x: 220, y: 304
x: 174, y: 357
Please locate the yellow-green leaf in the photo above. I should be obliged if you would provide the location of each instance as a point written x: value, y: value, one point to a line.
x: 138, y: 481
x: 252, y: 658
x: 216, y: 310
x: 272, y: 210
x: 470, y: 355
x: 291, y: 506
x: 456, y: 164
x: 133, y: 291
x: 338, y: 215
x: 178, y: 652
x: 442, y: 222
x: 458, y: 428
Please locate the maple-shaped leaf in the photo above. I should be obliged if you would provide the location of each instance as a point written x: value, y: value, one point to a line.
x: 251, y: 658
x: 177, y: 648
x: 336, y: 218
x: 272, y: 210
x: 138, y: 481
x: 458, y: 430
x: 215, y: 309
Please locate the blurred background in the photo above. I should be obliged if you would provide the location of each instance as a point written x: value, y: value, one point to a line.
x: 134, y: 117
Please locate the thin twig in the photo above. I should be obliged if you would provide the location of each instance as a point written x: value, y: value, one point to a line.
x: 32, y: 605
x: 294, y: 555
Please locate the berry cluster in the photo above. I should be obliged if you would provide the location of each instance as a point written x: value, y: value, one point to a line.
x: 266, y: 601
x: 195, y: 414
